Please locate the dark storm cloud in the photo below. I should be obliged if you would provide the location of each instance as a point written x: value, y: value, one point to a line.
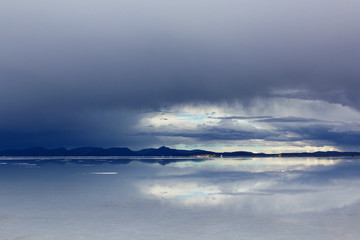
x: 344, y: 139
x: 241, y: 117
x: 269, y: 119
x: 214, y: 134
x: 63, y: 64
x: 289, y: 120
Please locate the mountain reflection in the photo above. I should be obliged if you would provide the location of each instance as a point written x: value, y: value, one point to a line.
x: 181, y: 162
x: 95, y: 160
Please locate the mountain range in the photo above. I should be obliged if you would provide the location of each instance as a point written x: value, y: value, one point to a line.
x: 162, y: 151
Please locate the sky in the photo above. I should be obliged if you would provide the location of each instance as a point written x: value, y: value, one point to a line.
x: 261, y: 76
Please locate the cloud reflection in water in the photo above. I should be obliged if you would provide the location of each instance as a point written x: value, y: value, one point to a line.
x: 265, y: 198
x: 262, y: 185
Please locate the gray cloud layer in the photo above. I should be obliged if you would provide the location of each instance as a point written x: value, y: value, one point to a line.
x: 65, y: 64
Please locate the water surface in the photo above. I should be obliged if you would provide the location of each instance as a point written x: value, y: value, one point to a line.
x: 179, y: 198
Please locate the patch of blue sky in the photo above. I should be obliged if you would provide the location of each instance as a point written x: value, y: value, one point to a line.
x: 191, y: 117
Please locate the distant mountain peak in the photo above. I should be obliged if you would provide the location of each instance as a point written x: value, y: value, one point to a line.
x: 163, y: 148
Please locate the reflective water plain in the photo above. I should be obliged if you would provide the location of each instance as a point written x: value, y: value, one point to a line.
x: 179, y: 198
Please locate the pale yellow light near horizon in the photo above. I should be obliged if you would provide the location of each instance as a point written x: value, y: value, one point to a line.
x: 179, y: 125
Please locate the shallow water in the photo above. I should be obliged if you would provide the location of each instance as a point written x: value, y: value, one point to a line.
x: 179, y: 198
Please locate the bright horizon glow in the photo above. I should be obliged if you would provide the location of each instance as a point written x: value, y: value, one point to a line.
x: 282, y: 125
